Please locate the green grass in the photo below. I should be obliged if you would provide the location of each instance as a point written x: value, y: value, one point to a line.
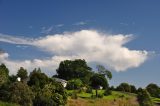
x: 115, y: 99
x: 114, y: 95
x: 155, y: 100
x: 7, y: 104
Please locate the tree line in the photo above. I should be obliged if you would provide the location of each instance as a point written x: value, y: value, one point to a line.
x: 38, y: 89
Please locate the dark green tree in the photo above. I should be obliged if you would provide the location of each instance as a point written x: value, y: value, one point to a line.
x: 102, y: 70
x: 144, y: 98
x: 124, y: 87
x: 71, y: 69
x: 4, y: 74
x: 37, y: 78
x: 154, y: 90
x: 53, y: 94
x: 133, y: 89
x: 74, y: 84
x: 21, y: 93
x: 98, y: 80
x: 22, y: 73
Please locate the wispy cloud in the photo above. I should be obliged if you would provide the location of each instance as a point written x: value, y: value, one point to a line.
x: 59, y: 25
x: 46, y: 30
x: 91, y: 45
x: 80, y: 23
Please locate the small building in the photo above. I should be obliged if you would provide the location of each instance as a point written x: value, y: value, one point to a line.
x: 62, y: 81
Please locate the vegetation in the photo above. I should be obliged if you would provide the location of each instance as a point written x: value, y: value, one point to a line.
x: 154, y: 90
x: 144, y: 98
x: 84, y: 87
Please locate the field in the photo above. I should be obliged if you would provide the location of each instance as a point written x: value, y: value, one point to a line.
x: 7, y: 104
x: 116, y: 99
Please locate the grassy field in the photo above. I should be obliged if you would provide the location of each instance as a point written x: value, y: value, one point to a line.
x: 7, y: 104
x: 116, y: 99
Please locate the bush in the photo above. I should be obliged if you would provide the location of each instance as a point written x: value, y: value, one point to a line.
x: 89, y: 90
x: 20, y: 93
x: 124, y: 87
x: 144, y: 98
x: 74, y: 84
x: 53, y: 94
x: 107, y: 92
x: 100, y: 95
x: 74, y: 95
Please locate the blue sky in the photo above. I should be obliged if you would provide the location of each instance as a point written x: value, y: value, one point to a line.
x: 33, y: 20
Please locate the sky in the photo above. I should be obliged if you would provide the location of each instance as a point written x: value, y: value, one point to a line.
x: 121, y: 35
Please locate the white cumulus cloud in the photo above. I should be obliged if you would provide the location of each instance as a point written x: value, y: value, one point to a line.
x: 91, y: 45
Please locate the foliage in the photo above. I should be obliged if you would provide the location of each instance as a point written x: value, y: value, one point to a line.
x: 103, y: 71
x: 74, y: 84
x: 125, y: 87
x: 107, y: 92
x: 4, y: 92
x: 89, y: 90
x: 3, y: 74
x: 98, y: 80
x: 22, y: 73
x: 144, y: 98
x: 74, y: 95
x: 52, y: 94
x: 154, y: 90
x: 69, y: 69
x: 12, y: 78
x: 20, y: 93
x: 100, y: 95
x: 38, y: 79
x: 133, y: 89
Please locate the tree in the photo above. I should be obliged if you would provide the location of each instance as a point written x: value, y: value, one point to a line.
x: 144, y: 98
x: 21, y: 93
x: 133, y: 89
x: 74, y: 84
x: 22, y: 73
x: 98, y: 80
x: 154, y: 90
x: 38, y: 79
x: 53, y: 94
x: 4, y: 73
x: 125, y: 87
x: 69, y: 69
x: 102, y: 70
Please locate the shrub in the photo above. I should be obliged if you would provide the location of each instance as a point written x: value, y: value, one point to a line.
x: 74, y: 95
x: 100, y: 95
x: 144, y: 98
x: 74, y: 84
x: 107, y: 92
x: 89, y: 90
x: 20, y: 93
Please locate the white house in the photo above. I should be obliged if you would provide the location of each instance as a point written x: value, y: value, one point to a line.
x: 62, y: 81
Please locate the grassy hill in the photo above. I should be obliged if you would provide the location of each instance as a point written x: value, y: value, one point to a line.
x: 115, y: 99
x: 7, y: 104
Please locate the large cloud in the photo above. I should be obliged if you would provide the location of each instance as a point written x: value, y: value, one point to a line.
x: 91, y: 45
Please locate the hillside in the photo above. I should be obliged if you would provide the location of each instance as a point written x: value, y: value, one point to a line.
x: 115, y: 99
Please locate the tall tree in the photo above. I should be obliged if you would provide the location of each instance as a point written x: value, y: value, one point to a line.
x: 102, y: 70
x: 154, y: 90
x: 144, y: 98
x: 4, y: 73
x: 69, y: 69
x: 21, y: 93
x: 125, y: 87
x: 37, y: 78
x: 22, y: 73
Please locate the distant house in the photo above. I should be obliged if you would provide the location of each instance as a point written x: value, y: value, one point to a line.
x: 62, y: 81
